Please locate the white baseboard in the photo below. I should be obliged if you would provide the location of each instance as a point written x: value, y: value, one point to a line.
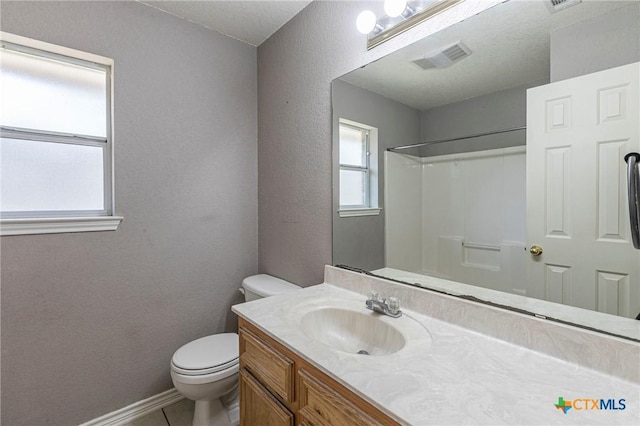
x: 137, y: 409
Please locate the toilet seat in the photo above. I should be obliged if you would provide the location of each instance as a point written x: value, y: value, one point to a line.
x: 201, y: 379
x: 207, y: 355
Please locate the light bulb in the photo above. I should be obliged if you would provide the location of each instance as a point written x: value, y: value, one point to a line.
x: 366, y: 22
x: 394, y: 8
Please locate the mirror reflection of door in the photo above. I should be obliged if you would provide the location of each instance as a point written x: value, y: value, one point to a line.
x: 578, y: 132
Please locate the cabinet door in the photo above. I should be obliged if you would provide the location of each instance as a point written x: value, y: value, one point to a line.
x: 322, y: 406
x: 272, y: 368
x: 258, y: 407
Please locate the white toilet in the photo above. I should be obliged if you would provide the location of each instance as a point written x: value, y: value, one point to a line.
x: 206, y: 370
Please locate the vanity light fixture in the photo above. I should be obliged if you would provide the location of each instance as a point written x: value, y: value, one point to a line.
x: 394, y: 8
x: 401, y: 15
x: 366, y: 21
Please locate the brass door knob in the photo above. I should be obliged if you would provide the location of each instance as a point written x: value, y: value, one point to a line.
x: 535, y: 250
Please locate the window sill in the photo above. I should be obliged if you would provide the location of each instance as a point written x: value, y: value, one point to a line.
x: 58, y: 225
x: 359, y: 212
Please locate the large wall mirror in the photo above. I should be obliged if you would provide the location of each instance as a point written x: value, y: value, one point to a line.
x: 487, y: 160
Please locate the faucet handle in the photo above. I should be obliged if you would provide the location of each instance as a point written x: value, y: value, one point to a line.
x: 394, y: 304
x: 373, y: 295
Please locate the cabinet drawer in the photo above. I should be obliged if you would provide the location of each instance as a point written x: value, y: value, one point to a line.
x: 270, y: 367
x: 322, y: 406
x: 307, y: 417
x: 259, y: 407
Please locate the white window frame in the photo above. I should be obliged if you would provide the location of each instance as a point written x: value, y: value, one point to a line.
x: 31, y: 222
x: 370, y: 208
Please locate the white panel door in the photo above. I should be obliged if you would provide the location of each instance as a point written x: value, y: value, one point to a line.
x: 578, y: 131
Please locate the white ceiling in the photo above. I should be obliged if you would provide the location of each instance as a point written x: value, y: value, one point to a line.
x: 250, y: 21
x: 510, y: 45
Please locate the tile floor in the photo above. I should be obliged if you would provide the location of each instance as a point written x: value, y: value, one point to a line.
x: 178, y: 414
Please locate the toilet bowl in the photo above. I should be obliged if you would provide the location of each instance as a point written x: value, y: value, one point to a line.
x: 206, y: 370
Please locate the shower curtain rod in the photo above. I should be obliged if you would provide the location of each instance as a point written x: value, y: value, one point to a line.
x: 418, y: 145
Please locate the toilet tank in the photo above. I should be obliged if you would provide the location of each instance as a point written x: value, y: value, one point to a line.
x: 263, y: 285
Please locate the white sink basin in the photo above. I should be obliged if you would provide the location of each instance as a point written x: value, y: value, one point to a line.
x: 347, y: 326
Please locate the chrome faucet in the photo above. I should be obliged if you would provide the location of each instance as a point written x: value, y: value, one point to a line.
x: 389, y: 307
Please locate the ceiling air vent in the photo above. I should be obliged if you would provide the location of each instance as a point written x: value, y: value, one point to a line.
x: 444, y: 57
x: 558, y: 5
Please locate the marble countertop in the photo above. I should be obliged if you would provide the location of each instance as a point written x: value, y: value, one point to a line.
x: 456, y: 377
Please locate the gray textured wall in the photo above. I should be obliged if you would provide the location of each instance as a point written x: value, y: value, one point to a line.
x: 90, y: 320
x: 295, y: 68
x: 501, y: 110
x: 604, y: 42
x: 359, y: 241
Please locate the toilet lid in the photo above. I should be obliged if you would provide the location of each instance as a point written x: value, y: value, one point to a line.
x: 207, y: 355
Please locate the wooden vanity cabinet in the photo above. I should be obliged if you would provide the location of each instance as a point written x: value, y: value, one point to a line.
x: 278, y: 388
